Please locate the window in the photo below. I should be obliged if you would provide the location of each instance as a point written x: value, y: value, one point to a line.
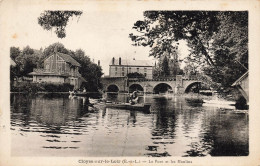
x: 63, y: 66
x: 115, y: 73
x: 123, y: 74
x: 59, y: 66
x: 129, y: 69
x: 145, y: 74
x: 145, y: 69
x: 123, y: 68
x: 116, y: 68
x: 137, y: 70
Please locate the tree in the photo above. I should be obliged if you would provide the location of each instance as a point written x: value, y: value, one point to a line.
x: 89, y: 70
x: 135, y: 75
x: 163, y: 29
x: 14, y: 52
x: 165, y: 67
x: 51, y: 48
x: 217, y: 39
x: 156, y: 72
x: 58, y: 20
x: 230, y: 48
x: 27, y: 61
x: 27, y: 51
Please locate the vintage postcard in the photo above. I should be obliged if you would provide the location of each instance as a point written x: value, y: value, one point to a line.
x: 116, y: 83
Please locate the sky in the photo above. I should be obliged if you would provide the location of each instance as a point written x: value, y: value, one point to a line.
x: 102, y: 34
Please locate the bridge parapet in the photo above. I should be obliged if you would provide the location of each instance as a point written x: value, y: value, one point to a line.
x: 146, y: 80
x: 165, y: 79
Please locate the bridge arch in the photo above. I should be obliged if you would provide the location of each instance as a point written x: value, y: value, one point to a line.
x: 112, y: 88
x: 135, y: 87
x: 188, y: 87
x: 161, y: 88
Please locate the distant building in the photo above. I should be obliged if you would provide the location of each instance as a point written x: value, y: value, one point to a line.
x: 121, y: 67
x: 59, y: 68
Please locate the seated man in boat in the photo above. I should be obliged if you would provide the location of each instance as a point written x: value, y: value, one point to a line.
x: 133, y: 98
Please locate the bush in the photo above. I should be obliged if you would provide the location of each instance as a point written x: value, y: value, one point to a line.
x: 41, y: 87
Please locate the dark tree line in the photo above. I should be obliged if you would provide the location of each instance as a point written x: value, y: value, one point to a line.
x: 218, y: 40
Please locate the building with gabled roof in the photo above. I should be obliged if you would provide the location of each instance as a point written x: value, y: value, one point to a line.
x: 242, y: 84
x: 59, y: 68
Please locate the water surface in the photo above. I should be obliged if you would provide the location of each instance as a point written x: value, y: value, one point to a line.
x: 56, y: 125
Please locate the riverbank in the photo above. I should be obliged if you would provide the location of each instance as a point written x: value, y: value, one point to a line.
x: 41, y: 87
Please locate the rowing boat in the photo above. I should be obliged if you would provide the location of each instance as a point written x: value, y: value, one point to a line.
x: 128, y: 106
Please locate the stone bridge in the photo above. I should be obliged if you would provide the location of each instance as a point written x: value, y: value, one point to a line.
x: 122, y: 84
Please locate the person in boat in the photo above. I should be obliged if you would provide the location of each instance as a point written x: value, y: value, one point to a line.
x: 75, y: 90
x: 133, y: 98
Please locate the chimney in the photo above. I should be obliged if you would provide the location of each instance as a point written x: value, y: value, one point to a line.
x: 55, y: 49
x: 98, y: 62
x: 113, y: 61
x: 119, y: 60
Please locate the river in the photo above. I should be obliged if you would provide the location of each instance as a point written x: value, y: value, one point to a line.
x: 56, y: 125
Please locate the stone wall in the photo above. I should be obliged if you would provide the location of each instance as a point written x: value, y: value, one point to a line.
x: 120, y: 82
x: 53, y: 79
x: 178, y: 86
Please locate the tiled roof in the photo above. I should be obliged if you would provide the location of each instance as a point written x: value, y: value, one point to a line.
x: 237, y: 82
x: 12, y: 62
x: 128, y: 62
x: 69, y: 59
x: 66, y: 58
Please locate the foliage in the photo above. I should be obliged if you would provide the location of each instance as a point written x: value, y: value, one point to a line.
x: 135, y: 75
x: 26, y: 60
x: 156, y: 72
x: 164, y: 29
x: 190, y: 70
x: 89, y: 70
x: 58, y: 20
x: 14, y: 70
x: 14, y: 52
x: 230, y: 48
x: 41, y: 87
x: 217, y: 40
x: 50, y: 49
x: 165, y: 67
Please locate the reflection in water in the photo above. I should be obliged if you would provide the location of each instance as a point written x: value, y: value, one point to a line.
x: 56, y: 125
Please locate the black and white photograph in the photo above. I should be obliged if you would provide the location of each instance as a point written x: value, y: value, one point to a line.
x: 127, y: 83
